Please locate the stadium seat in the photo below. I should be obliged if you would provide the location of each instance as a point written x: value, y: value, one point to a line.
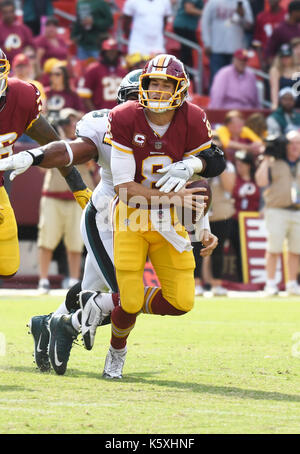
x: 200, y: 100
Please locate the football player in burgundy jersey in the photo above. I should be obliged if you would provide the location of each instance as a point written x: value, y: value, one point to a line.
x: 20, y: 107
x: 162, y: 133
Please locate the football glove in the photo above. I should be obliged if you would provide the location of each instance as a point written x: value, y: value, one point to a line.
x: 1, y: 215
x: 19, y: 163
x: 177, y: 174
x: 82, y: 197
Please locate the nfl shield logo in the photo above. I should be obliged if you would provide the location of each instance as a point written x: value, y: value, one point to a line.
x: 158, y: 145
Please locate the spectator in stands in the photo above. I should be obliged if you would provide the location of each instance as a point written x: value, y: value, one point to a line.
x: 258, y: 124
x: 59, y: 93
x: 295, y: 45
x: 285, y: 31
x: 30, y: 52
x: 144, y: 22
x: 99, y: 85
x: 222, y: 209
x: 234, y: 135
x: 34, y: 11
x: 22, y: 69
x: 280, y: 178
x: 93, y: 21
x: 13, y: 36
x: 50, y: 44
x: 59, y: 213
x: 136, y: 61
x: 223, y: 30
x: 285, y: 117
x: 186, y: 24
x: 246, y: 196
x: 266, y: 22
x: 234, y: 86
x: 282, y: 74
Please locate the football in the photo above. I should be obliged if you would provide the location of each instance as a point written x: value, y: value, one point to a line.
x: 185, y: 215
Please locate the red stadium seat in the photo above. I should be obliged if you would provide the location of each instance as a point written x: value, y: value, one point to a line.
x: 200, y: 100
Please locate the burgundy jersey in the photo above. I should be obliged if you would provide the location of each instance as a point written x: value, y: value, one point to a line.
x: 13, y: 39
x: 246, y: 195
x: 57, y: 100
x: 22, y: 108
x: 101, y: 83
x: 188, y: 134
x: 50, y: 50
x: 265, y: 23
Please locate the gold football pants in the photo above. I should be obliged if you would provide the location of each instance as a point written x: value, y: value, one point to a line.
x: 9, y: 245
x: 174, y: 270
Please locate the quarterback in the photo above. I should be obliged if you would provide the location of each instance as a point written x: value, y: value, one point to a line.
x: 162, y: 133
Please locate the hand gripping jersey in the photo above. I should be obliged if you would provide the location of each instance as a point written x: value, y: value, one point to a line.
x: 188, y: 134
x: 22, y: 108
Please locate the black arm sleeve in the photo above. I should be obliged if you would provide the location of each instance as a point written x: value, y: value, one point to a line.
x: 215, y: 161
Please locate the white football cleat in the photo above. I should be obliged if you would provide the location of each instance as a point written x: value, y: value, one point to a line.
x: 92, y: 316
x: 271, y: 290
x: 219, y: 291
x: 293, y: 288
x: 114, y: 363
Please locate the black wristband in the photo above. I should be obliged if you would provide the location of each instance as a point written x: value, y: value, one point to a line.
x: 37, y: 156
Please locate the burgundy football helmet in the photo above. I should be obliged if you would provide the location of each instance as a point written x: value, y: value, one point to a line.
x: 163, y: 66
x: 4, y: 71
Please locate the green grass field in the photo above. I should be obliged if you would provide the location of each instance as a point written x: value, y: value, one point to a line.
x: 231, y: 366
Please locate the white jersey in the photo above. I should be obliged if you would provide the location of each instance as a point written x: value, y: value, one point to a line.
x: 93, y: 126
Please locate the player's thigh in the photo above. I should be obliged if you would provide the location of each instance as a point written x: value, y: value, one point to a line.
x: 72, y: 236
x: 51, y: 223
x: 9, y: 245
x: 99, y: 245
x: 130, y: 253
x: 175, y: 272
x: 294, y: 232
x: 276, y: 225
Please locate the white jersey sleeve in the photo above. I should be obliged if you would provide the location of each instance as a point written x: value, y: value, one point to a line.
x: 93, y: 126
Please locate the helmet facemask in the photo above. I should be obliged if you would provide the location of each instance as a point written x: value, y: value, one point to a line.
x: 176, y: 98
x: 4, y: 71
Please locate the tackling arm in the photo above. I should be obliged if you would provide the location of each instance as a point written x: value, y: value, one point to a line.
x: 59, y: 154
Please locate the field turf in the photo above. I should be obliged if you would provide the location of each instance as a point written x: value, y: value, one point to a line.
x: 231, y: 366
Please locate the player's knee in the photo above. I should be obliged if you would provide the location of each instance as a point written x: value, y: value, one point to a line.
x: 131, y: 287
x: 185, y: 299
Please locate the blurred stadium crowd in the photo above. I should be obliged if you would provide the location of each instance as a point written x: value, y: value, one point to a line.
x: 243, y: 58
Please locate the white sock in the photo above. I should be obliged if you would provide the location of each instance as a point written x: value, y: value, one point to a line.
x: 291, y: 283
x: 61, y: 309
x: 44, y: 281
x: 105, y: 302
x: 271, y: 283
x: 75, y: 322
